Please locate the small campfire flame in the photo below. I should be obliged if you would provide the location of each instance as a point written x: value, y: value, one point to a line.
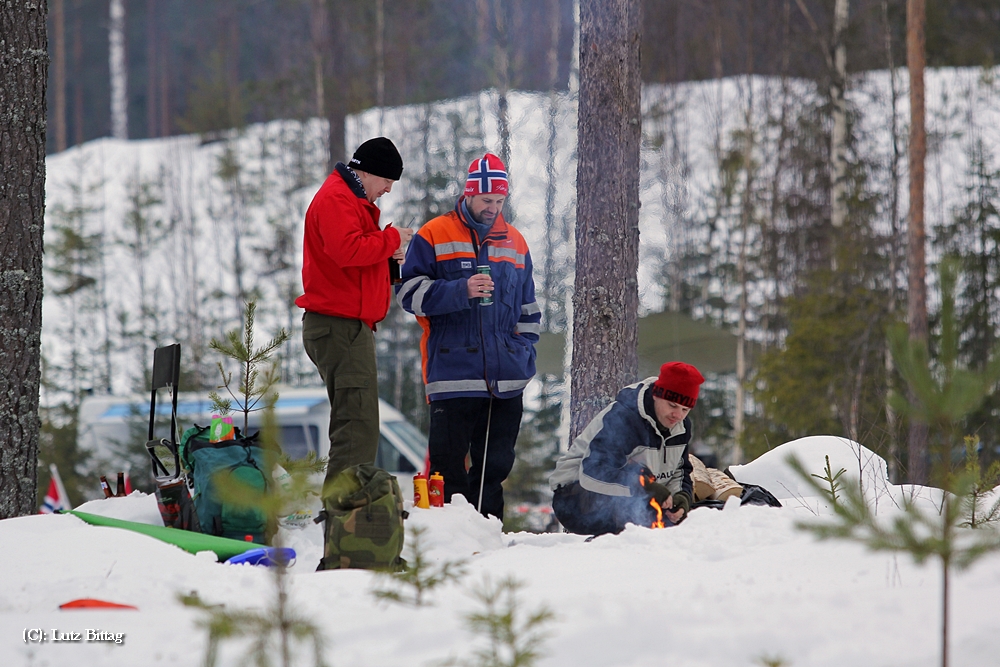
x: 644, y: 479
x: 659, y: 514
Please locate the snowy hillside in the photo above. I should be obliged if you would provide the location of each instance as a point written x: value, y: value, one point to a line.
x: 725, y: 587
x: 184, y: 228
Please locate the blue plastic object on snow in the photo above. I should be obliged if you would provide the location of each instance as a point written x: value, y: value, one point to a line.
x: 266, y: 556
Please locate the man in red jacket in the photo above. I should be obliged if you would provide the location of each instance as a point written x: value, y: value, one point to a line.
x: 345, y: 276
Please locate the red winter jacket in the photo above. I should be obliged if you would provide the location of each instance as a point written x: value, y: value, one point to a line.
x: 345, y: 267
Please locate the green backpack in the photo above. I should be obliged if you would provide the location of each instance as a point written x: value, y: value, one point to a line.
x: 242, y: 460
x: 363, y: 511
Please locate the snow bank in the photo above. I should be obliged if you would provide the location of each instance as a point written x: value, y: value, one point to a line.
x: 861, y: 465
x: 137, y: 506
x: 772, y: 471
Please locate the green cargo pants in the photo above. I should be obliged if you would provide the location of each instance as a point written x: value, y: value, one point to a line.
x: 344, y: 353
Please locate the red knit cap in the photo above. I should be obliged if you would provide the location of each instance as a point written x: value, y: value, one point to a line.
x: 678, y: 382
x: 487, y: 176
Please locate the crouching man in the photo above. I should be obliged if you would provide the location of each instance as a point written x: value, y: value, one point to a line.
x: 633, y: 453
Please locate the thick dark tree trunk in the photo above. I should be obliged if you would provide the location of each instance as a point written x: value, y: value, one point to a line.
x: 24, y: 68
x: 118, y: 67
x: 917, y: 296
x: 606, y: 294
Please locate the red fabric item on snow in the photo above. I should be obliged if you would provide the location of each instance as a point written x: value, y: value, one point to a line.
x: 91, y: 603
x: 487, y: 176
x: 679, y: 383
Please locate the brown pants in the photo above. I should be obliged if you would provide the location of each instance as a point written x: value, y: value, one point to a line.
x: 344, y: 353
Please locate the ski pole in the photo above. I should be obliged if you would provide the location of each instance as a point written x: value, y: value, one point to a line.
x: 486, y: 447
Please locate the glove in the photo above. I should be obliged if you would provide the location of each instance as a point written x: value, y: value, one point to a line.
x: 657, y: 492
x: 681, y: 501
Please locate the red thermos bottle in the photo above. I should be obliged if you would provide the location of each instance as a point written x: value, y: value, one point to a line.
x: 436, y: 490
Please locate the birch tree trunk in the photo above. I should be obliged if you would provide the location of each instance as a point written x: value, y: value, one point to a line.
x: 746, y: 217
x: 606, y: 297
x: 119, y: 73
x: 838, y: 139
x: 24, y: 64
x: 916, y: 263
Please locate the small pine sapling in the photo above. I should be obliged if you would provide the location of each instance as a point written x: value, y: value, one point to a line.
x: 943, y: 394
x: 976, y: 516
x: 277, y: 628
x: 832, y: 479
x: 772, y: 661
x: 253, y: 385
x: 514, y: 636
x: 270, y: 630
x: 922, y: 533
x: 420, y: 576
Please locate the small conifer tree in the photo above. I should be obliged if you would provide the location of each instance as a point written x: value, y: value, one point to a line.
x: 976, y: 516
x: 832, y: 479
x: 514, y: 636
x: 944, y: 394
x: 772, y: 661
x: 420, y: 576
x: 253, y: 385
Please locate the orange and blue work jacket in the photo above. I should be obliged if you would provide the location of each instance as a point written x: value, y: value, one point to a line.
x: 471, y: 349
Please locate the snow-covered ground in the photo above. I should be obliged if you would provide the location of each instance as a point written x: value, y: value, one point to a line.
x: 724, y: 588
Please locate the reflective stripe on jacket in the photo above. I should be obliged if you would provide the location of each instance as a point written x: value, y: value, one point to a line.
x: 607, y: 457
x: 470, y: 349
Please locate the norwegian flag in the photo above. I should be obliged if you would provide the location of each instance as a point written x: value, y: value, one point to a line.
x: 55, y: 498
x: 487, y: 175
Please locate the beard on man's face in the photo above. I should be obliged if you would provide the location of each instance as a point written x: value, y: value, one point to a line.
x: 484, y: 217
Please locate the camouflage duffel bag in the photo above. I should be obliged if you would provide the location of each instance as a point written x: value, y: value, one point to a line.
x: 363, y: 511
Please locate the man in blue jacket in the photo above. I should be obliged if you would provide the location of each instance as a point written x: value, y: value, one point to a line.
x: 630, y: 464
x: 480, y: 331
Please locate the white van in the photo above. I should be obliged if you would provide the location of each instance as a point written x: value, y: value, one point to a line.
x: 303, y: 417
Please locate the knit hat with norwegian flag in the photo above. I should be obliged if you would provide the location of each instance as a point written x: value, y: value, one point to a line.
x: 678, y: 383
x: 487, y: 176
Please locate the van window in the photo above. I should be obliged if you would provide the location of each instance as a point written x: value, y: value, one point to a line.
x: 413, y: 439
x: 296, y: 443
x: 389, y: 458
